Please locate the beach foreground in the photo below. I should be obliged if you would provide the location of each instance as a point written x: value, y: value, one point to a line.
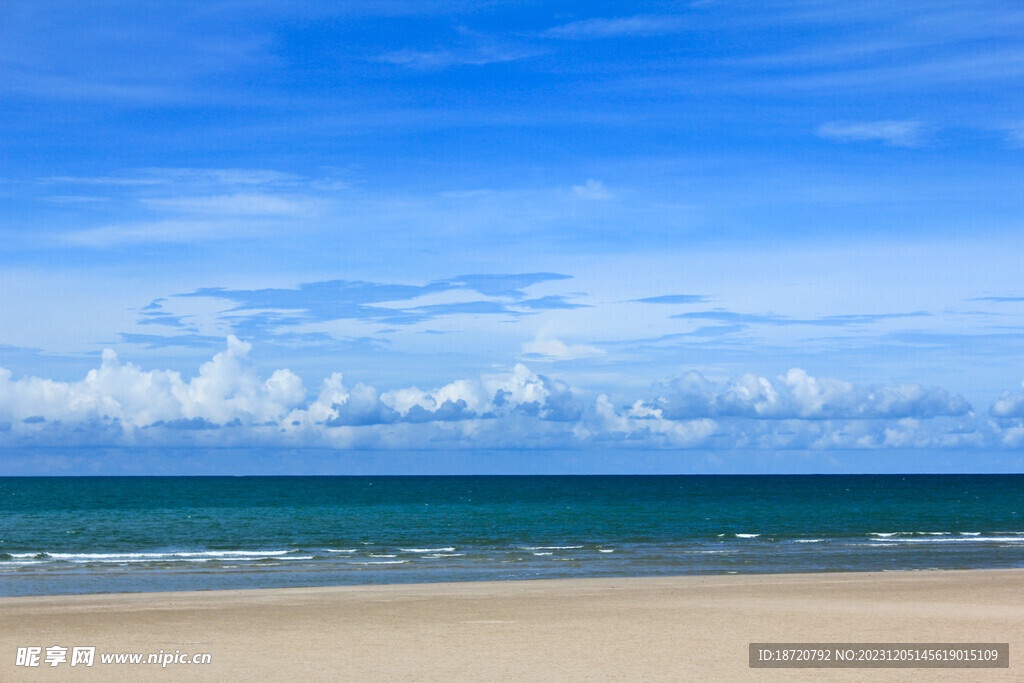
x: 670, y: 628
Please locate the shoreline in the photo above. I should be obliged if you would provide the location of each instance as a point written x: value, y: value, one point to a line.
x: 653, y: 628
x: 4, y: 599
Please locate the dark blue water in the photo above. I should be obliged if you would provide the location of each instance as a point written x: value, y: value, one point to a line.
x: 115, y: 534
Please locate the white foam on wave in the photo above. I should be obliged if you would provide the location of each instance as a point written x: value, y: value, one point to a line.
x: 606, y: 550
x: 547, y: 553
x: 710, y: 552
x: 809, y: 540
x: 747, y: 535
x: 153, y: 557
x: 340, y: 550
x: 959, y: 539
x: 380, y: 562
x: 551, y: 547
x: 140, y: 560
x: 449, y: 549
x: 892, y: 534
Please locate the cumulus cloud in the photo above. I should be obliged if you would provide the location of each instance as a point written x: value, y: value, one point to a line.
x: 227, y: 388
x: 798, y: 395
x: 1009, y: 404
x: 640, y: 424
x: 121, y: 403
x: 1008, y: 418
x: 230, y: 403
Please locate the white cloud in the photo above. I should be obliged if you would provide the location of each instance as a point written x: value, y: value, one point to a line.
x: 480, y: 55
x: 639, y: 25
x: 890, y: 133
x: 797, y: 395
x: 156, y: 232
x: 188, y: 205
x: 229, y: 403
x: 548, y: 348
x: 226, y: 389
x: 1009, y: 404
x: 235, y: 204
x: 644, y: 425
x: 1015, y: 136
x: 185, y: 176
x: 75, y: 199
x: 592, y: 189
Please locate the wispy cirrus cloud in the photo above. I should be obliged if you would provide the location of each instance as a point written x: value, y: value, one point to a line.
x: 437, y: 60
x: 550, y: 302
x: 75, y: 199
x: 592, y: 189
x: 191, y: 205
x: 733, y: 317
x: 638, y: 25
x: 469, y: 48
x: 156, y: 232
x: 999, y: 299
x: 889, y: 133
x: 674, y: 299
x: 185, y: 177
x: 170, y: 341
x: 256, y: 204
x: 918, y: 73
x: 1015, y: 135
x: 148, y: 57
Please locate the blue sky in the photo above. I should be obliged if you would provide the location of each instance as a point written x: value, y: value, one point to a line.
x: 681, y: 231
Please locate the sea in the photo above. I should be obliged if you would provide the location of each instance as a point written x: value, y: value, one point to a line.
x: 67, y: 535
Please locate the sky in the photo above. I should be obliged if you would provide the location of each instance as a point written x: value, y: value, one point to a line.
x: 650, y: 236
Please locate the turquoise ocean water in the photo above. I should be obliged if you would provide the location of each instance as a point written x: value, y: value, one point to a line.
x: 61, y: 535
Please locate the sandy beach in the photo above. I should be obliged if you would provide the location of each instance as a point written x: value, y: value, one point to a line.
x: 672, y: 628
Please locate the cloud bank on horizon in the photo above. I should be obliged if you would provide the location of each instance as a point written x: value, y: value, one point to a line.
x: 228, y: 404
